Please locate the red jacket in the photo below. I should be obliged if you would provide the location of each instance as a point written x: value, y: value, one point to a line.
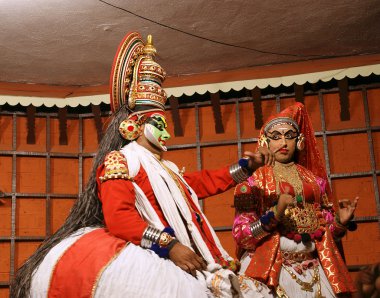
x: 124, y: 221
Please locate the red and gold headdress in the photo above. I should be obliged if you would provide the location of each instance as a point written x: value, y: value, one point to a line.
x: 297, y: 116
x: 136, y: 78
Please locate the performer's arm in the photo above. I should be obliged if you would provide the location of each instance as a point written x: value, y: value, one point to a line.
x: 117, y: 194
x: 247, y: 230
x: 120, y: 214
x: 211, y: 182
x: 207, y: 183
x: 338, y: 221
x: 250, y: 226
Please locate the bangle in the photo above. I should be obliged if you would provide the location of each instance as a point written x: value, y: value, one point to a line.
x: 163, y: 251
x: 165, y: 239
x: 257, y: 230
x: 151, y: 235
x: 350, y: 225
x: 238, y: 173
x: 265, y: 219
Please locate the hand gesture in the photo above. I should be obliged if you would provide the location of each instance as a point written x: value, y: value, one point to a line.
x: 186, y: 259
x: 284, y: 201
x: 346, y: 210
x: 263, y: 156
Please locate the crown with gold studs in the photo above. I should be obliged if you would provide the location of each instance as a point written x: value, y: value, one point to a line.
x: 136, y: 77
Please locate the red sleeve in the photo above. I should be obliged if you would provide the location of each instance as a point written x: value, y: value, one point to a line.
x: 120, y: 214
x: 207, y: 183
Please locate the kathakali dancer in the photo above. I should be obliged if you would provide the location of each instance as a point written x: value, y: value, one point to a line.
x: 138, y: 229
x: 286, y: 227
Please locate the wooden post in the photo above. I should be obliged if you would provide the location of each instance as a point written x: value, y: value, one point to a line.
x: 344, y: 99
x: 178, y: 131
x: 31, y: 116
x: 215, y: 101
x: 298, y: 91
x: 257, y: 109
x: 98, y: 121
x: 62, y: 117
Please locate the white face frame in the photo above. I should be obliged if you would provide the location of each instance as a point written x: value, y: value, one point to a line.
x: 155, y: 131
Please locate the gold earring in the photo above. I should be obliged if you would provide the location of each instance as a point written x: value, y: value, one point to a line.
x: 129, y: 129
x: 263, y: 141
x: 301, y: 142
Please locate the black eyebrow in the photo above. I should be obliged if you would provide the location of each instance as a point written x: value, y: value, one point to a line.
x: 284, y: 133
x: 159, y: 120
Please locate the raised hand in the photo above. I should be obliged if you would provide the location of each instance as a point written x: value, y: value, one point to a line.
x: 186, y: 259
x: 263, y: 156
x: 284, y: 201
x: 346, y: 210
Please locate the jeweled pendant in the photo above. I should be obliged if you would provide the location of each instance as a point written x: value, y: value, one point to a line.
x: 307, y: 287
x: 299, y: 199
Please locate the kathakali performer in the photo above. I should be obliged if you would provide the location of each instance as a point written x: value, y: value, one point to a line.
x: 286, y: 227
x: 138, y: 229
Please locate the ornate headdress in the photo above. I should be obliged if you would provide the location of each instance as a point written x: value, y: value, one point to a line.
x: 280, y: 120
x: 297, y: 116
x: 135, y: 77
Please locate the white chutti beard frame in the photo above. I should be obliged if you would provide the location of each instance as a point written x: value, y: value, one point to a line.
x: 148, y: 132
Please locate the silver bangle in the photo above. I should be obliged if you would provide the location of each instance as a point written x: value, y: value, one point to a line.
x: 150, y: 236
x: 257, y: 230
x: 238, y: 173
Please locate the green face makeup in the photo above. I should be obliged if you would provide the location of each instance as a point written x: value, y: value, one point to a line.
x: 155, y: 131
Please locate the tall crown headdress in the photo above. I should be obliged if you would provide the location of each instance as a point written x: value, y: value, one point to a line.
x: 136, y: 78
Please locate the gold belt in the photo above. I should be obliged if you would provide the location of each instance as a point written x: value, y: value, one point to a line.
x: 297, y: 256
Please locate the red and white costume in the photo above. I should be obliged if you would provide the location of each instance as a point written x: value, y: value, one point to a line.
x: 109, y: 262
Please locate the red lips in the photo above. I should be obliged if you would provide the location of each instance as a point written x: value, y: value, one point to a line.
x: 161, y: 141
x: 283, y: 150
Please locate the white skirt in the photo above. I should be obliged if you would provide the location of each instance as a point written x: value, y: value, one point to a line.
x: 137, y: 272
x: 288, y: 284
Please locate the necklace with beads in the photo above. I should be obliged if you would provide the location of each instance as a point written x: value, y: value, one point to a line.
x: 305, y: 286
x: 288, y: 173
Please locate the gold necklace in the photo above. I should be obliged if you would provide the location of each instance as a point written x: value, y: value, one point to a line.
x: 307, y: 286
x: 288, y: 173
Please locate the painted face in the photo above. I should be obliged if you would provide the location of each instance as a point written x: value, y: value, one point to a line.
x: 282, y: 141
x: 155, y: 131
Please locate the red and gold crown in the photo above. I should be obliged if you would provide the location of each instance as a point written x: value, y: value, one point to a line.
x: 136, y: 78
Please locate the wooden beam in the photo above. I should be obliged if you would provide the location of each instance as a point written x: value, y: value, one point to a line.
x: 62, y: 117
x: 215, y: 101
x: 257, y: 109
x: 344, y: 99
x: 98, y: 121
x: 31, y: 116
x: 178, y: 131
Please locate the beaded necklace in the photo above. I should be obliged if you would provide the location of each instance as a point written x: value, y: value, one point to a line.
x: 306, y: 286
x: 288, y: 173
